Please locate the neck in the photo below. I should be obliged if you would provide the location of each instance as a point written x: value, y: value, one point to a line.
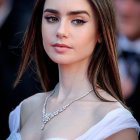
x: 73, y: 81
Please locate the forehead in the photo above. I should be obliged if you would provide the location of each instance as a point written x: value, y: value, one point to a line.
x: 68, y: 5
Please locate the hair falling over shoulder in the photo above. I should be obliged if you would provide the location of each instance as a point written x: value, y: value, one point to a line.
x: 103, y: 68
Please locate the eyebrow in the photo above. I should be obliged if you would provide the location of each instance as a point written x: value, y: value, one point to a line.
x: 69, y: 13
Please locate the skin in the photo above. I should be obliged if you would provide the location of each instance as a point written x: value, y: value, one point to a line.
x: 128, y: 17
x: 65, y: 30
x: 73, y: 62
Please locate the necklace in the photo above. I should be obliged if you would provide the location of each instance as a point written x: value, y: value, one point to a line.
x: 46, y: 117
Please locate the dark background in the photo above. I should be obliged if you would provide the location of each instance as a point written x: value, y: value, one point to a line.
x: 11, y: 34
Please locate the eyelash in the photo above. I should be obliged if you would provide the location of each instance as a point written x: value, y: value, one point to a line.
x: 53, y: 19
x: 79, y: 22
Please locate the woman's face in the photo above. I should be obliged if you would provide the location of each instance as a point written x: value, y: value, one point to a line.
x: 69, y: 30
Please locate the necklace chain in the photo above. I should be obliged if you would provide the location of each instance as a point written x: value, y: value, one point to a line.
x: 46, y: 117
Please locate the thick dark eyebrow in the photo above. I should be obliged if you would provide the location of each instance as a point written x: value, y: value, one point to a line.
x: 69, y: 13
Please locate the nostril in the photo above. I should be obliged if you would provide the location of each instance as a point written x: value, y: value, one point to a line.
x: 61, y: 35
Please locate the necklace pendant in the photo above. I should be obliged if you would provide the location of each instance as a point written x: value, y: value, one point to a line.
x: 46, y: 117
x: 42, y: 126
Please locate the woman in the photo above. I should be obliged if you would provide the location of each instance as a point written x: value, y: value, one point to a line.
x: 73, y: 45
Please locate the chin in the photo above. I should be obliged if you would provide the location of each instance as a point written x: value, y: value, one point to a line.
x: 61, y: 61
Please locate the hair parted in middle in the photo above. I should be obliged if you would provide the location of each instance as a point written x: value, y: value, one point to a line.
x: 103, y: 67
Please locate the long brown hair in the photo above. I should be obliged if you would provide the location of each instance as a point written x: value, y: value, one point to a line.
x: 103, y: 68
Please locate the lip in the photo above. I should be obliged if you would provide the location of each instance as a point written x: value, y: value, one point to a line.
x: 61, y: 45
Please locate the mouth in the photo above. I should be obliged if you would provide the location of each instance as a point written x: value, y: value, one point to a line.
x: 61, y: 48
x: 61, y: 45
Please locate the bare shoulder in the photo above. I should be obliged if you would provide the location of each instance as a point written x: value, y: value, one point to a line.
x: 126, y: 134
x: 31, y: 104
x: 33, y: 100
x: 104, y: 107
x: 106, y: 95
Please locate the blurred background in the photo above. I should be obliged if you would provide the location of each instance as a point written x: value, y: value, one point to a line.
x: 128, y: 46
x: 14, y: 18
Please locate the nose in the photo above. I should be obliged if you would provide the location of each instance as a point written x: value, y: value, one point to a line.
x: 62, y: 30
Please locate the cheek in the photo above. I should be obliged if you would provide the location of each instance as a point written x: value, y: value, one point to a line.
x: 86, y: 45
x: 45, y: 40
x: 88, y: 39
x: 46, y: 35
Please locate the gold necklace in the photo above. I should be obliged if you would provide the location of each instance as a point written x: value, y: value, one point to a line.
x: 46, y: 117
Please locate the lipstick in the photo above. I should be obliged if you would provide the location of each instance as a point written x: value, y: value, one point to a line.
x: 60, y: 45
x: 61, y: 48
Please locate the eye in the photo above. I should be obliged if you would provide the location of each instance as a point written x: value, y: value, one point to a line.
x: 51, y: 19
x: 78, y: 22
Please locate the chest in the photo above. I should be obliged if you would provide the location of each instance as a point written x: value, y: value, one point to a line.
x: 68, y: 124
